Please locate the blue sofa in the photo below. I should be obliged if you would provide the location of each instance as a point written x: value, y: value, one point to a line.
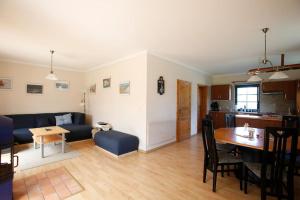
x: 22, y: 122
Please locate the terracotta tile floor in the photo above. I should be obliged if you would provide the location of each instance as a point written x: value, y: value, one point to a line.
x: 49, y: 185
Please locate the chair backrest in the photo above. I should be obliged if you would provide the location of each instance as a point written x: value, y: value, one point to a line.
x: 209, y: 142
x: 279, y: 155
x: 290, y: 121
x: 230, y: 120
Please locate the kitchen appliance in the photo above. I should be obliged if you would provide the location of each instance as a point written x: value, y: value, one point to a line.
x: 214, y: 106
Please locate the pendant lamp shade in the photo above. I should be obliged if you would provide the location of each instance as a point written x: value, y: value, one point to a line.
x: 278, y: 75
x: 254, y: 78
x: 51, y: 76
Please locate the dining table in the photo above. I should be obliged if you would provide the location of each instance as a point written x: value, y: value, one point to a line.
x: 239, y: 136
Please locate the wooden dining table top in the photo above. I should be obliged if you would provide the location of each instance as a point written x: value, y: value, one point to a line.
x: 237, y: 137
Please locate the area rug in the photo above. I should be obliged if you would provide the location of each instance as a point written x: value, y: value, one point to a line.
x: 54, y: 184
x: 31, y: 158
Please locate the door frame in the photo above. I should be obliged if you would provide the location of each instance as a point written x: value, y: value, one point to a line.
x: 202, y: 110
x: 177, y: 103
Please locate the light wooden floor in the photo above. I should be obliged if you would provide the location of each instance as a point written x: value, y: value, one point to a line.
x: 172, y: 172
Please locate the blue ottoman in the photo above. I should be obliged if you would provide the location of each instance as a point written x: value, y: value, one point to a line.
x: 116, y: 142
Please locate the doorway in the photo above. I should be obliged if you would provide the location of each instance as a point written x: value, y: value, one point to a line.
x: 183, y: 116
x: 202, y: 105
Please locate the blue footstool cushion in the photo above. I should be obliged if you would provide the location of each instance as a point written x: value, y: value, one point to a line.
x: 116, y: 142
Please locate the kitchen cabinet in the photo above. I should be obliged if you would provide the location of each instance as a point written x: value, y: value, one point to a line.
x: 220, y: 92
x: 218, y: 118
x: 271, y: 87
x: 288, y: 88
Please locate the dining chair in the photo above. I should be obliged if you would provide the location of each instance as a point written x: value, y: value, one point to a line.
x: 214, y: 159
x: 230, y: 120
x: 293, y: 122
x: 276, y: 170
x: 290, y: 121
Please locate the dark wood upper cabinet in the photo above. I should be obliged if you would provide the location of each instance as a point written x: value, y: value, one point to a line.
x: 271, y: 87
x: 288, y: 88
x: 220, y: 92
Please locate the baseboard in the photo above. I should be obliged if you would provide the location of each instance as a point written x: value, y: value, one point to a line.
x: 114, y: 155
x: 164, y: 144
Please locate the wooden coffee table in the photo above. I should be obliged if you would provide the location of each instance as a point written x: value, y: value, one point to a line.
x: 49, y: 134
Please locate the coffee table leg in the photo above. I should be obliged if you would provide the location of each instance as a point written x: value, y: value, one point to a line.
x: 63, y: 143
x: 42, y: 145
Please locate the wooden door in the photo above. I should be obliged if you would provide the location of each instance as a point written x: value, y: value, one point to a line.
x: 183, y: 121
x: 202, y: 105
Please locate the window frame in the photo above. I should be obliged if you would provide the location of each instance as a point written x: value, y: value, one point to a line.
x: 248, y: 85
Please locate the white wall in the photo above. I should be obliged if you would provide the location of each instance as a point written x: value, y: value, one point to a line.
x: 17, y: 101
x: 161, y: 109
x: 127, y: 113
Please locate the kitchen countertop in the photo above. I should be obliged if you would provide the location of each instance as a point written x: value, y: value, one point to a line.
x: 263, y: 117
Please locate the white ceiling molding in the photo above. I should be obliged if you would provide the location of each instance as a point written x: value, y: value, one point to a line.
x: 39, y: 65
x: 117, y: 61
x: 179, y: 63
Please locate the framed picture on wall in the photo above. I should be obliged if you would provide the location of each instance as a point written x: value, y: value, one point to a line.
x: 62, y: 85
x: 125, y: 87
x: 106, y: 83
x: 32, y: 88
x: 5, y: 83
x: 92, y: 89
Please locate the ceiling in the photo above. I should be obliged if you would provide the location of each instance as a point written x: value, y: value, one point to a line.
x: 215, y: 36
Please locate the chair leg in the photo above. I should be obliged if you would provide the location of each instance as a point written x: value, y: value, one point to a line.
x: 240, y: 168
x: 222, y: 170
x: 245, y: 179
x: 204, y: 171
x: 215, y: 178
x: 228, y: 168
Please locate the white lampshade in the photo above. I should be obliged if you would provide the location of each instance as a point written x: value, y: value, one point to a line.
x: 278, y: 75
x: 52, y: 77
x: 254, y: 78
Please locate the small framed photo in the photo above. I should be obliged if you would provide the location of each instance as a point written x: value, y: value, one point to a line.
x: 125, y: 87
x: 106, y: 83
x: 5, y: 83
x: 34, y: 88
x: 62, y: 85
x: 93, y: 89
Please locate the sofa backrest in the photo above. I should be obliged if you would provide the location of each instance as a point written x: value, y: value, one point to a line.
x: 34, y: 120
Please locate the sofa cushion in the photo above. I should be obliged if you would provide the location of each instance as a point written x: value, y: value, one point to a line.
x: 79, y: 118
x: 77, y: 132
x: 59, y: 120
x: 22, y: 135
x: 42, y: 122
x: 116, y: 142
x: 23, y: 120
x: 67, y: 118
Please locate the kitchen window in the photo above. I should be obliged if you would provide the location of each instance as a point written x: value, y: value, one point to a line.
x: 247, y: 97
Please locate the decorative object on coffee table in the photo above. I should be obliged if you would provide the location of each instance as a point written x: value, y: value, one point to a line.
x: 46, y: 135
